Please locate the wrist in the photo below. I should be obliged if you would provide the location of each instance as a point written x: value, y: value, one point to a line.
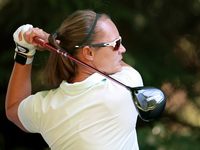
x: 23, y: 59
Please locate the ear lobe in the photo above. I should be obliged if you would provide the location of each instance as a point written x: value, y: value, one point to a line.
x: 88, y: 53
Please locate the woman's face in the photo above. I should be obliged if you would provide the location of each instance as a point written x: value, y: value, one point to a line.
x: 106, y: 59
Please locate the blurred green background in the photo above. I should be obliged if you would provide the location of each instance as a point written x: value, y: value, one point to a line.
x: 162, y: 39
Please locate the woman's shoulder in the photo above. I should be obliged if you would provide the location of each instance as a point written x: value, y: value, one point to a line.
x: 129, y: 76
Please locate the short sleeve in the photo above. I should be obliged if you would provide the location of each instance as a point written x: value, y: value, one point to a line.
x: 29, y: 111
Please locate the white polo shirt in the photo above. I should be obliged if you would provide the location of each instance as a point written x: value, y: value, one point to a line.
x: 95, y: 114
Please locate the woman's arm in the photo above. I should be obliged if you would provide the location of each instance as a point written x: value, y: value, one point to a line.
x: 19, y: 86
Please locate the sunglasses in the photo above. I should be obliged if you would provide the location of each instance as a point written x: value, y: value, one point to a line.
x: 115, y: 44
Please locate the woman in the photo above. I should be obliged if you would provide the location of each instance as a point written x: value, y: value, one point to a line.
x: 87, y: 111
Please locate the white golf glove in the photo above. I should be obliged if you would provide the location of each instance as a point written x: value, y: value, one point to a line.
x: 22, y: 46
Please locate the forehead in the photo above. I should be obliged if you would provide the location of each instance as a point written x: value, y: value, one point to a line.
x: 108, y: 30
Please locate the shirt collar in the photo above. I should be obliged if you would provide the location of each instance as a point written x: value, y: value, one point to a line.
x: 79, y: 87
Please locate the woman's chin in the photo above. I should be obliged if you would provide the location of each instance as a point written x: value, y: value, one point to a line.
x: 118, y: 69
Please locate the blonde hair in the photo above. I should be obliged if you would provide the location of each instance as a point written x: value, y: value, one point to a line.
x: 72, y: 31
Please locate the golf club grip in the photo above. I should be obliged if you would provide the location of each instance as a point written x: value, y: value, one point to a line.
x: 46, y: 44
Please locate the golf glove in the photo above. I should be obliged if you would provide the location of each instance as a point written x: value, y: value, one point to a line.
x: 22, y: 46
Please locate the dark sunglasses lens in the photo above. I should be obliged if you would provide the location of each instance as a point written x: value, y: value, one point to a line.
x: 118, y: 42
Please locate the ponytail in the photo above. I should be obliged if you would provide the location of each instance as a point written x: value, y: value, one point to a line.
x: 58, y: 67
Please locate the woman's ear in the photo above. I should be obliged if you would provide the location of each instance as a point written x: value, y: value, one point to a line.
x: 88, y: 53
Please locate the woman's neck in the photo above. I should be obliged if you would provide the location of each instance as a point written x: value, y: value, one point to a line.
x: 82, y: 74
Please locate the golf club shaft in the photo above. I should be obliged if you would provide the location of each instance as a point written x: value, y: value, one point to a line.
x: 46, y: 44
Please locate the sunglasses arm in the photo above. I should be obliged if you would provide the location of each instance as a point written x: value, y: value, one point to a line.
x: 98, y: 45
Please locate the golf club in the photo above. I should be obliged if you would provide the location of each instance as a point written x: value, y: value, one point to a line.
x: 149, y: 101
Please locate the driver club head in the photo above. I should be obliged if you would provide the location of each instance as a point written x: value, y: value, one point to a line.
x: 149, y: 102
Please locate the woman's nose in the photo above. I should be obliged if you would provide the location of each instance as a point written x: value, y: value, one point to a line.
x: 122, y: 49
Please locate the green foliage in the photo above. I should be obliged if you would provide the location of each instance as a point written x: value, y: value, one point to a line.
x: 165, y: 141
x: 162, y: 42
x: 158, y: 138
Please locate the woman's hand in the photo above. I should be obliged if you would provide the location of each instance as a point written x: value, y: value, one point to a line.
x: 33, y: 32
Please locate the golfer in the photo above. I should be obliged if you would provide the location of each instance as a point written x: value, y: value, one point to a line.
x: 86, y: 111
